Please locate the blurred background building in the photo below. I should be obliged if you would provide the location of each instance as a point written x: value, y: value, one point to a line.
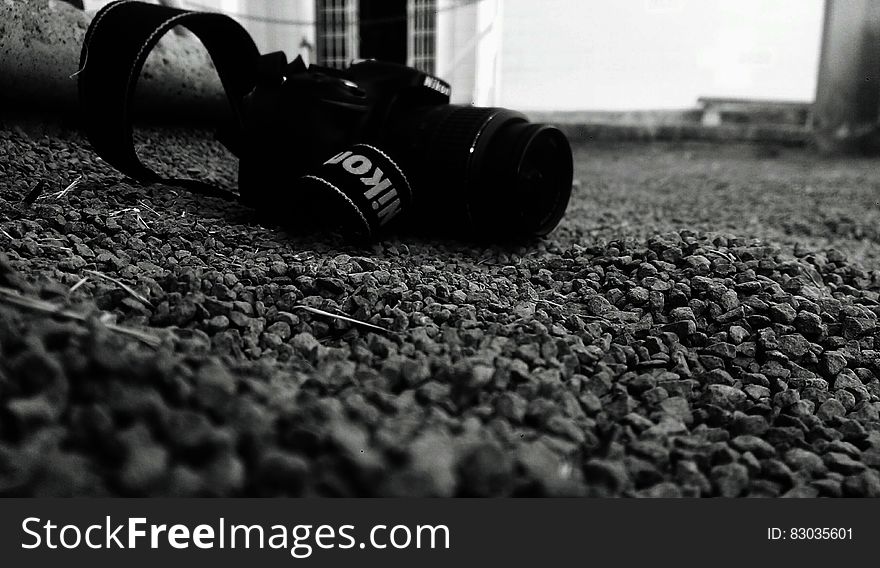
x: 560, y: 54
x: 458, y: 40
x: 710, y: 62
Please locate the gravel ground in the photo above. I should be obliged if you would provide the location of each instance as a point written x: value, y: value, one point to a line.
x: 704, y: 323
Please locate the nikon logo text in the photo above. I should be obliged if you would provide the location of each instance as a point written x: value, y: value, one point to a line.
x: 437, y: 85
x: 382, y: 196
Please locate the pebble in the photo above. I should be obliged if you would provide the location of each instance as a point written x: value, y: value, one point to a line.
x: 305, y: 343
x: 782, y: 313
x: 606, y: 477
x: 804, y: 460
x: 730, y: 480
x: 846, y: 379
x: 724, y: 396
x: 810, y: 324
x: 843, y: 463
x: 794, y: 345
x: 753, y: 444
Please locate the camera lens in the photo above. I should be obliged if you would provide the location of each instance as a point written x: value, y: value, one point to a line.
x: 525, y: 175
x: 484, y: 171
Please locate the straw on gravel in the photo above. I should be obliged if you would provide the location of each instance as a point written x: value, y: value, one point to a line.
x: 135, y: 294
x: 703, y: 323
x: 13, y: 298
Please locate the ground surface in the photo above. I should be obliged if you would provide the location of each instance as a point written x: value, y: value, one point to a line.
x: 704, y: 322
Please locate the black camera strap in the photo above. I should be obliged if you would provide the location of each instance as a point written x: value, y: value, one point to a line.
x: 117, y: 44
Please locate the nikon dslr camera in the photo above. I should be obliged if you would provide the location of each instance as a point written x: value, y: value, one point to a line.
x: 371, y: 148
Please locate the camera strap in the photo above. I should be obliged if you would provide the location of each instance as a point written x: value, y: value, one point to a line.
x: 115, y: 47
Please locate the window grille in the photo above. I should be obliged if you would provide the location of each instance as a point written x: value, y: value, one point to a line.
x: 336, y: 33
x: 422, y: 31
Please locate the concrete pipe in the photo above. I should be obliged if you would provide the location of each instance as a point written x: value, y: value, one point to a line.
x: 40, y: 42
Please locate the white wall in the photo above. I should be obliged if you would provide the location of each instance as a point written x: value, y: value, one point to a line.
x: 595, y: 54
x: 275, y: 25
x: 655, y: 54
x: 469, y: 40
x: 296, y: 35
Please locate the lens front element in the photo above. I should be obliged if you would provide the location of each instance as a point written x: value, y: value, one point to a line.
x: 525, y: 177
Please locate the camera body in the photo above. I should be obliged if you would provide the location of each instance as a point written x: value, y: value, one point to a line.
x: 377, y: 145
x: 298, y: 119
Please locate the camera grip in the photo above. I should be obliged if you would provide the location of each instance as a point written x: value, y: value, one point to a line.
x: 359, y: 191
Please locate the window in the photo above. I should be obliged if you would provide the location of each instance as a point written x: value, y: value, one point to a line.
x: 336, y: 34
x: 422, y: 34
x: 339, y: 40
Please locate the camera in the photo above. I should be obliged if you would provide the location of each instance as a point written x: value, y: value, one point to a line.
x: 369, y: 149
x: 377, y: 147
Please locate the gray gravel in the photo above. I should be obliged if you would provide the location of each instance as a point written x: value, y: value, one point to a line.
x: 703, y: 323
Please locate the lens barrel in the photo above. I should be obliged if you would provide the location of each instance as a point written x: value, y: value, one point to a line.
x: 483, y: 171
